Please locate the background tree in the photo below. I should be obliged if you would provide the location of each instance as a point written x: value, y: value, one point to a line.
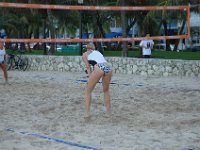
x: 36, y: 23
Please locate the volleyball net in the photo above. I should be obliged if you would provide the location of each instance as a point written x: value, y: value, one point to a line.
x: 183, y: 9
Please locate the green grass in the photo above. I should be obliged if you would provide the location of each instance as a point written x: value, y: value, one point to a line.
x: 169, y: 55
x: 133, y: 53
x: 159, y: 54
x: 176, y: 55
x: 40, y: 52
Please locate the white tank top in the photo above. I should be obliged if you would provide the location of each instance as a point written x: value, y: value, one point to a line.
x: 96, y: 56
x: 2, y: 54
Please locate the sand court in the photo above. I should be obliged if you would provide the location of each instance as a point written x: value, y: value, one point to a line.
x: 45, y: 110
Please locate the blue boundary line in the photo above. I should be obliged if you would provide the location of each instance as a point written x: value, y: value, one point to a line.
x: 127, y: 84
x: 53, y: 139
x: 85, y: 81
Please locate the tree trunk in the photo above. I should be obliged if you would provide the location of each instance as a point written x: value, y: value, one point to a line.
x: 44, y: 36
x: 124, y: 33
x: 100, y: 28
x: 180, y: 32
x: 52, y: 30
x: 166, y: 34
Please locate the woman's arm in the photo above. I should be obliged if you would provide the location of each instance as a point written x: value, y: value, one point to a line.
x: 5, y: 54
x: 85, y: 55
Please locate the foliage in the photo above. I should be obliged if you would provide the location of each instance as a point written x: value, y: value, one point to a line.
x: 41, y: 23
x: 133, y: 53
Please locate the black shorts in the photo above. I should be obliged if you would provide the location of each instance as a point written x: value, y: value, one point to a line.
x: 146, y: 56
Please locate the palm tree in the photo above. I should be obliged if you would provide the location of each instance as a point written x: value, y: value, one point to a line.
x: 24, y: 23
x: 97, y: 22
x: 165, y: 18
x: 180, y: 16
x: 124, y: 27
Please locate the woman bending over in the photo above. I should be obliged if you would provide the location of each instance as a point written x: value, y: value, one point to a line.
x: 101, y: 70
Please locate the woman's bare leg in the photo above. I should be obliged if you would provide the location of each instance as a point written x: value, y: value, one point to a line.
x: 93, y: 79
x: 5, y: 74
x: 106, y: 84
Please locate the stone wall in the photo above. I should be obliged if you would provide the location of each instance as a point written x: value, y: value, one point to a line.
x: 152, y: 67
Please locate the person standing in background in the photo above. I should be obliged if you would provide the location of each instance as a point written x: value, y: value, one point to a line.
x: 146, y: 46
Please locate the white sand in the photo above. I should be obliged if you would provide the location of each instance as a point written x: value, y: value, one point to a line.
x: 152, y: 113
